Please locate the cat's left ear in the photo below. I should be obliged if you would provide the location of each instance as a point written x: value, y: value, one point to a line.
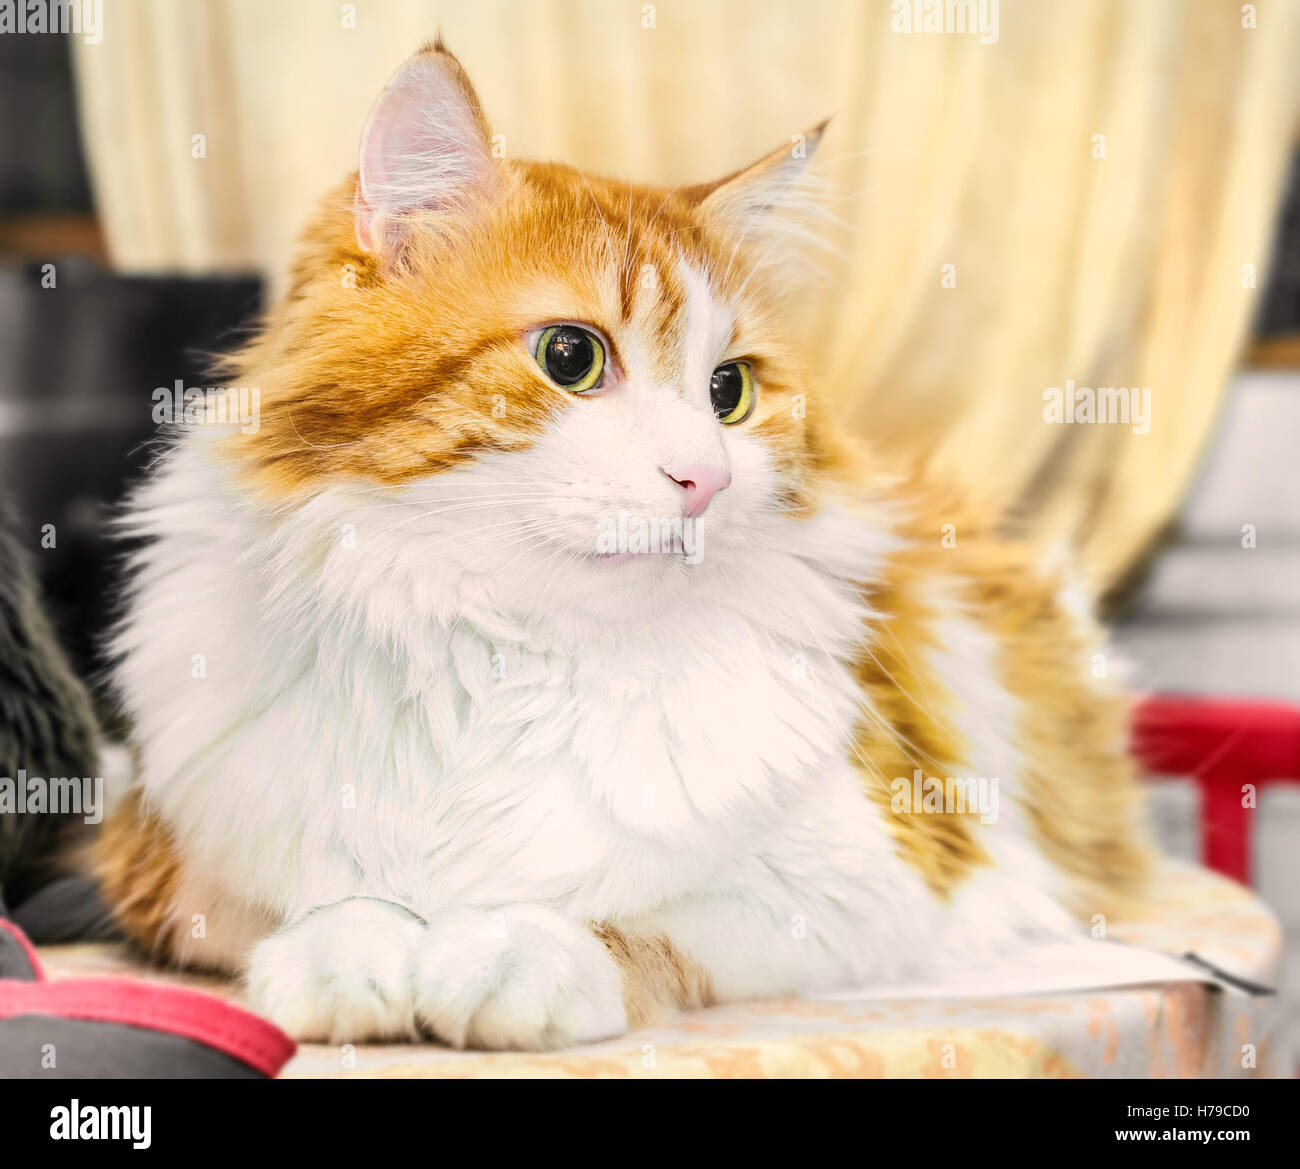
x: 756, y: 200
x: 426, y: 147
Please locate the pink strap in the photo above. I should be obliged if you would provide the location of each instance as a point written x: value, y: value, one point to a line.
x: 188, y: 1013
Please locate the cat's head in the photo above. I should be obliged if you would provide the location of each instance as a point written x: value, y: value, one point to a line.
x: 555, y: 382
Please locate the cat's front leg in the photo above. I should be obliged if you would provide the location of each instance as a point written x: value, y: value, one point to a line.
x: 516, y: 977
x: 521, y: 977
x: 341, y: 973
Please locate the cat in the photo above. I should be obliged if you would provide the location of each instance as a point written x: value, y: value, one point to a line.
x: 546, y: 662
x: 49, y: 738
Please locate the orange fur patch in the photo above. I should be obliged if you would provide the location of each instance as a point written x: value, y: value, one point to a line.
x: 139, y: 871
x: 1079, y: 791
x: 658, y: 980
x: 909, y: 727
x: 168, y: 912
x: 1078, y: 787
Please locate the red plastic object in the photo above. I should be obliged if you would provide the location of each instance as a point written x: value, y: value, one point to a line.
x: 1223, y: 744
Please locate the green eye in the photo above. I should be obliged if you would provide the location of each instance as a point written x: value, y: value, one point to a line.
x: 572, y: 357
x: 731, y: 390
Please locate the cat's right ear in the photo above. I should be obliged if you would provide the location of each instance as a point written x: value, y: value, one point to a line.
x: 426, y: 147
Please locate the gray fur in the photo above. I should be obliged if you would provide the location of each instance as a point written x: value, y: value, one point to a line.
x: 47, y: 729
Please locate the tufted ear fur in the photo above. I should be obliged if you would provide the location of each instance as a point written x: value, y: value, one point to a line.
x: 762, y: 197
x: 426, y: 147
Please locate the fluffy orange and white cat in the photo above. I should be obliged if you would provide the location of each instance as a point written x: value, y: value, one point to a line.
x: 544, y: 662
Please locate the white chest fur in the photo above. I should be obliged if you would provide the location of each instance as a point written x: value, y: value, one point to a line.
x: 382, y: 736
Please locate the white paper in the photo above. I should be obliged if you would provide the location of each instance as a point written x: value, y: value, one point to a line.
x: 1068, y: 967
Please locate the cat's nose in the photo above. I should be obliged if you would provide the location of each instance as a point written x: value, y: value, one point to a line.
x: 701, y: 483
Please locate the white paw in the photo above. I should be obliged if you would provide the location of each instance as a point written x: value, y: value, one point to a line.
x: 340, y: 975
x: 521, y: 977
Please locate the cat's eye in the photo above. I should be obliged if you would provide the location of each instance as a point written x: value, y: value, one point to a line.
x: 731, y: 390
x: 572, y: 357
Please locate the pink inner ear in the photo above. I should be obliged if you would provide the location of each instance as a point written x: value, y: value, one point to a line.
x: 423, y: 148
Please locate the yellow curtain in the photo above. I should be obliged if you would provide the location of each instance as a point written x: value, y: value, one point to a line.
x: 1085, y: 193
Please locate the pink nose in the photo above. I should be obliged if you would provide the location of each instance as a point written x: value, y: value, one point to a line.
x: 701, y: 484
